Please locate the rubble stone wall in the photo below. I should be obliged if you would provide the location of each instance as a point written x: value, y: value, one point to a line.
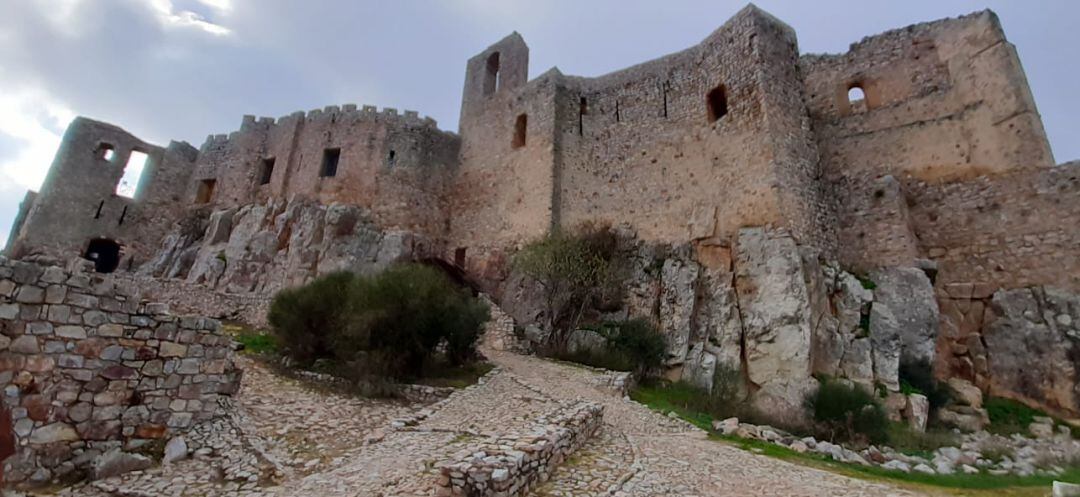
x: 513, y: 463
x: 88, y: 366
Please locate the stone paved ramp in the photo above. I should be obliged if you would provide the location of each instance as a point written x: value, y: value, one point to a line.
x: 291, y: 440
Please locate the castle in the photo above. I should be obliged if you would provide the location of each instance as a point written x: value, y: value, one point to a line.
x: 918, y: 148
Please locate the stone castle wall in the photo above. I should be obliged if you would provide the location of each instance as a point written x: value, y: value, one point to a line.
x: 87, y: 366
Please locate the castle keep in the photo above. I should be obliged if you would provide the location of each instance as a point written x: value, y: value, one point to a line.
x: 916, y: 160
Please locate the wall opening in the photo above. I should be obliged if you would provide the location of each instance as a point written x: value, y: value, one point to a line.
x: 129, y: 182
x: 123, y: 214
x: 618, y: 118
x: 856, y: 94
x: 391, y: 158
x: 105, y: 151
x: 459, y: 257
x: 491, y: 74
x: 520, y: 126
x: 665, y: 87
x: 205, y: 191
x: 717, y: 102
x: 100, y: 206
x: 267, y: 171
x: 583, y: 109
x: 330, y: 159
x: 105, y: 253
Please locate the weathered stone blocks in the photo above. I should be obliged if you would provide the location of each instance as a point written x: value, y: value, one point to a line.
x: 123, y: 375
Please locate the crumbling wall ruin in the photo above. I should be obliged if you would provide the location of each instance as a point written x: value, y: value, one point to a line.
x: 88, y: 367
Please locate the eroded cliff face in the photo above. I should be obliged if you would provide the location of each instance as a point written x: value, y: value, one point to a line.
x: 261, y: 248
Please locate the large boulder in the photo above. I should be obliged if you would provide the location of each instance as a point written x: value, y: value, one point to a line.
x: 1033, y: 347
x: 677, y: 298
x: 909, y: 294
x: 885, y: 340
x: 775, y: 307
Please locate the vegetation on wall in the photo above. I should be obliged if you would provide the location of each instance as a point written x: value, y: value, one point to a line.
x: 634, y: 345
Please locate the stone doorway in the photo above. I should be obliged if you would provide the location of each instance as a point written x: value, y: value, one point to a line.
x: 105, y: 253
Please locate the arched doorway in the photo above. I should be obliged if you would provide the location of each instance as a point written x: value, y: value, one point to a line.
x: 105, y: 253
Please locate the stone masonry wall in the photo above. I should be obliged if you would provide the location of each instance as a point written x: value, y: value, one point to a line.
x: 513, y: 463
x: 88, y: 367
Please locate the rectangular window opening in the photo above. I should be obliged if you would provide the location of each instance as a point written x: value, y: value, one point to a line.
x: 267, y: 171
x: 520, y: 126
x: 129, y: 182
x: 583, y: 109
x: 205, y: 191
x: 491, y: 74
x: 717, y: 102
x: 330, y: 159
x: 459, y: 257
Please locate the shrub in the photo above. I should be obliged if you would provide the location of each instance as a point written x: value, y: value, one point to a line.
x: 305, y: 317
x: 575, y: 272
x: 918, y: 377
x: 640, y: 341
x: 381, y: 327
x: 404, y: 313
x: 904, y: 439
x: 633, y: 345
x: 843, y: 411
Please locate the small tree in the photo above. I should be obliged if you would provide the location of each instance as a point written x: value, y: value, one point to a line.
x: 574, y: 271
x: 305, y: 318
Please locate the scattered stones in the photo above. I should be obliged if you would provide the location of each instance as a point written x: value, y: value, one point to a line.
x: 175, y: 450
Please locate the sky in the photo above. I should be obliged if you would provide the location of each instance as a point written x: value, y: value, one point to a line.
x: 182, y: 69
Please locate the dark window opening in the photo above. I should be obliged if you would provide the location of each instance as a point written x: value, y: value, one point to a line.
x: 105, y: 151
x: 123, y: 214
x: 267, y: 171
x: 459, y: 257
x: 205, y: 191
x: 391, y: 157
x: 617, y: 116
x: 100, y: 205
x: 330, y: 159
x: 491, y: 74
x: 583, y: 109
x: 105, y: 253
x: 717, y: 100
x: 520, y: 125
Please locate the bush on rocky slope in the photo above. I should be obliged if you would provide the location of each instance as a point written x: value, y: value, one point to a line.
x: 390, y: 325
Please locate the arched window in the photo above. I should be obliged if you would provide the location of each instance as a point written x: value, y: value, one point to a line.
x: 856, y: 94
x: 105, y: 151
x: 717, y: 102
x: 491, y: 74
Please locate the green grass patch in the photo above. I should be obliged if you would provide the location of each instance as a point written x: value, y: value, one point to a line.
x: 675, y: 398
x: 257, y: 342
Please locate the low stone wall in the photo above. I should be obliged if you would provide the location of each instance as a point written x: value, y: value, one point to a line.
x: 511, y: 464
x: 87, y: 367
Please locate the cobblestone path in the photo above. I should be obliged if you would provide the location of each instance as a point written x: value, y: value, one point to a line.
x: 288, y: 439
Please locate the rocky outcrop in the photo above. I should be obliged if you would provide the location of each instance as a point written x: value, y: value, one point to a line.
x: 775, y: 309
x: 909, y: 295
x: 260, y: 248
x: 1033, y: 346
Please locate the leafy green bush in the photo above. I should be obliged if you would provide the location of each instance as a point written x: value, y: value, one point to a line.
x: 918, y: 377
x: 304, y: 318
x: 1008, y: 416
x: 911, y: 442
x: 844, y: 411
x: 384, y: 326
